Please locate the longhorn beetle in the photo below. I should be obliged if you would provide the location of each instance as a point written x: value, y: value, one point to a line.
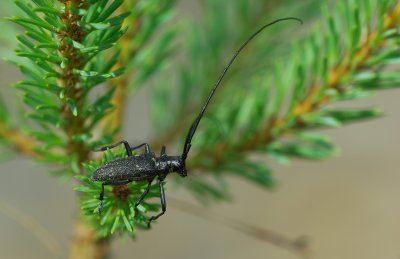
x: 146, y: 167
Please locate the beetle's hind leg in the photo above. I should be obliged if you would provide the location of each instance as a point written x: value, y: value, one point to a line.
x: 126, y: 144
x: 163, y: 152
x: 163, y: 203
x: 127, y: 147
x: 101, y: 198
x: 146, y: 147
x: 100, y: 206
x: 146, y: 191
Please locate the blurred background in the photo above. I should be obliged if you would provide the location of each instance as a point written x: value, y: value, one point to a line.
x: 346, y: 206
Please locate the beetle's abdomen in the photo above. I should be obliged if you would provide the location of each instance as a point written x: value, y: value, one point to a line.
x: 135, y: 168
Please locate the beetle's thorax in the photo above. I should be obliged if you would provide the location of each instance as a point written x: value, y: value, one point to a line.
x: 169, y: 164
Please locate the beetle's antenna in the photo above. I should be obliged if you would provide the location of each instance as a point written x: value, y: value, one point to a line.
x: 196, y: 122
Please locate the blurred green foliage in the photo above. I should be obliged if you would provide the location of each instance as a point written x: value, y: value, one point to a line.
x: 76, y: 56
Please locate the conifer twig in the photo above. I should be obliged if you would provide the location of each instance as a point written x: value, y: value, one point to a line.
x: 70, y: 81
x: 84, y: 245
x: 22, y: 143
x: 142, y: 24
x: 115, y: 119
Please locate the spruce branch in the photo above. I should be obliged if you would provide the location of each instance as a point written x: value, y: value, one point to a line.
x: 70, y: 81
x: 70, y: 49
x: 214, y: 30
x: 22, y: 143
x: 316, y: 97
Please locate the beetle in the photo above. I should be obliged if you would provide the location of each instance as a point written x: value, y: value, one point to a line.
x: 147, y: 166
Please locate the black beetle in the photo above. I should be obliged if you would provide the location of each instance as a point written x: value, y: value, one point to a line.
x: 147, y: 166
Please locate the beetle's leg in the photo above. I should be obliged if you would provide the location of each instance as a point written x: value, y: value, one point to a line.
x: 146, y: 191
x: 163, y: 203
x: 100, y: 206
x: 126, y: 144
x: 146, y: 147
x: 163, y: 153
x: 101, y: 198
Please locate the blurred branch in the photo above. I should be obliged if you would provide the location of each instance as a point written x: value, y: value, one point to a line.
x: 270, y: 114
x: 298, y: 246
x: 22, y: 143
x: 135, y: 45
x: 115, y: 119
x: 33, y: 226
x: 85, y: 245
x: 310, y: 103
x: 208, y: 45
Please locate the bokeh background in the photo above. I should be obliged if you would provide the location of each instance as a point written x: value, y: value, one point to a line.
x: 346, y: 206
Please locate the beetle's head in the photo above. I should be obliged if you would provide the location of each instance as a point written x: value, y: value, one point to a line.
x: 178, y: 165
x: 183, y: 172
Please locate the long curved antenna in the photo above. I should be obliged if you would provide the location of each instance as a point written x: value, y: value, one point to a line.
x: 196, y: 122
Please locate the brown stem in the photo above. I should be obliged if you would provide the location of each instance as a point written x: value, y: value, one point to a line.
x: 84, y: 244
x: 70, y: 81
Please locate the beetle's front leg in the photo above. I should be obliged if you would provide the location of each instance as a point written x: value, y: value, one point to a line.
x: 163, y: 203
